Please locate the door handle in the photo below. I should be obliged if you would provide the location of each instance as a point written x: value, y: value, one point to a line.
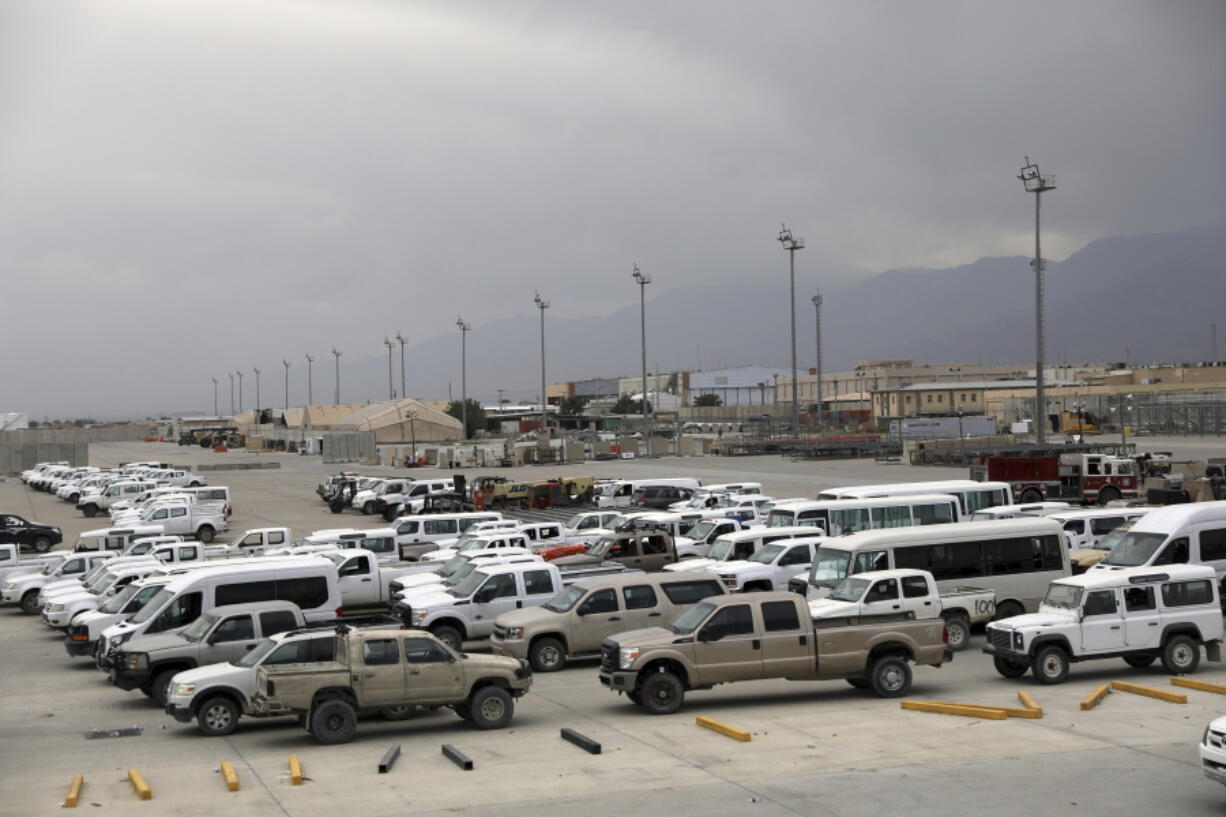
x: 897, y: 606
x: 1153, y: 624
x: 1116, y: 627
x: 518, y: 605
x: 365, y: 580
x: 370, y: 675
x: 757, y: 645
x: 615, y: 618
x: 927, y: 604
x: 654, y: 615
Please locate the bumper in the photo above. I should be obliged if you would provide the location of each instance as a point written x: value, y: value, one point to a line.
x: 10, y: 597
x: 1004, y: 652
x: 58, y: 620
x: 78, y: 649
x: 182, y: 714
x: 620, y: 681
x: 514, y: 649
x: 1213, y: 761
x: 127, y: 679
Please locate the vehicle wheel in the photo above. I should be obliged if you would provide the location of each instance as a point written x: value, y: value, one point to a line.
x: 1009, y: 667
x: 490, y: 707
x: 205, y: 534
x: 29, y: 603
x: 336, y: 507
x: 547, y: 655
x: 1108, y: 494
x: 397, y: 713
x: 90, y: 511
x: 959, y: 628
x: 194, y: 484
x: 1180, y: 655
x: 1032, y: 495
x: 449, y: 636
x: 42, y: 544
x: 217, y: 717
x: 661, y: 693
x: 890, y: 677
x: 1139, y: 661
x: 1008, y: 609
x: 859, y: 683
x: 389, y: 514
x: 462, y: 711
x: 159, y: 689
x: 1050, y: 665
x: 368, y: 508
x: 333, y: 721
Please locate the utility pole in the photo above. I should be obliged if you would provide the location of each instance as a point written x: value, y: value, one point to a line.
x: 1213, y: 342
x: 464, y: 330
x: 336, y: 354
x: 239, y: 373
x: 256, y: 369
x: 817, y: 393
x: 231, y: 374
x: 643, y: 280
x: 402, y: 340
x: 391, y: 394
x: 542, y: 305
x: 1036, y: 183
x: 285, y: 363
x: 214, y: 379
x: 413, y: 432
x: 792, y: 245
x: 310, y: 382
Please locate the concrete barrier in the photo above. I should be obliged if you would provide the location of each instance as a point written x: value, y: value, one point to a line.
x: 723, y: 729
x: 1150, y: 692
x: 295, y: 771
x: 1092, y: 700
x: 74, y: 791
x: 229, y: 775
x: 991, y: 713
x: 1203, y: 686
x: 139, y: 785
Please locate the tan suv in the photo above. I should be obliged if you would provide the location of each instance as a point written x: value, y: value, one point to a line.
x: 576, y: 621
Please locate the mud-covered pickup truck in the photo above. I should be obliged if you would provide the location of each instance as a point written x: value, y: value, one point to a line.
x: 749, y: 636
x: 380, y: 669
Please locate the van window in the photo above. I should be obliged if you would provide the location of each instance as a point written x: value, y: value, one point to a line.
x: 690, y: 592
x: 276, y: 621
x: 897, y: 517
x: 978, y: 500
x: 244, y: 592
x: 1138, y: 599
x: 308, y: 593
x: 538, y: 581
x: 780, y: 616
x: 181, y: 612
x: 639, y: 597
x: 601, y: 601
x: 938, y: 514
x: 1175, y: 553
x: 438, y: 526
x: 1185, y: 594
x: 1213, y: 545
x: 1075, y: 526
x: 1105, y: 524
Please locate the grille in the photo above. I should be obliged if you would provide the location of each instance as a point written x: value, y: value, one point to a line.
x: 500, y: 632
x: 1001, y: 639
x: 608, y: 656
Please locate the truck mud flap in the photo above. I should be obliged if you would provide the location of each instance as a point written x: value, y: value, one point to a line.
x: 1213, y: 650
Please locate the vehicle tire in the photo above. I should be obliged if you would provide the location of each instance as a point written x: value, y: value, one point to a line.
x: 29, y: 602
x: 449, y: 636
x: 1050, y: 665
x: 462, y: 711
x: 333, y: 721
x: 159, y: 688
x: 389, y: 514
x: 1032, y: 495
x: 336, y: 507
x: 42, y: 544
x: 368, y: 507
x: 1108, y: 494
x: 661, y: 693
x: 205, y: 534
x: 1008, y: 609
x: 634, y: 697
x: 194, y: 484
x: 547, y: 654
x: 859, y: 683
x: 397, y: 713
x: 90, y: 511
x: 1009, y: 667
x: 1139, y: 661
x: 490, y: 707
x: 1180, y: 655
x: 890, y: 677
x: 217, y: 717
x: 959, y: 628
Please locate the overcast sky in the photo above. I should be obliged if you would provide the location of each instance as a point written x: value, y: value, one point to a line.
x: 191, y: 187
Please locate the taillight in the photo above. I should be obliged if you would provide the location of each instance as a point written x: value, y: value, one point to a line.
x: 340, y: 612
x: 945, y: 634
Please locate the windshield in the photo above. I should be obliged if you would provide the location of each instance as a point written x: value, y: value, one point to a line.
x: 565, y: 600
x: 452, y: 565
x: 780, y: 519
x: 720, y: 550
x: 256, y: 654
x: 1109, y: 541
x: 701, y: 530
x: 767, y: 554
x: 152, y: 606
x: 850, y: 590
x: 829, y: 567
x: 116, y: 602
x: 470, y: 584
x: 601, y: 548
x: 1134, y: 548
x: 574, y: 521
x: 197, y: 629
x: 454, y: 577
x: 689, y: 621
x: 1063, y: 595
x: 475, y: 544
x: 100, y: 583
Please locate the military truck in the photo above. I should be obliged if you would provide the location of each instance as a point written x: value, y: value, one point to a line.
x: 377, y: 669
x: 748, y: 636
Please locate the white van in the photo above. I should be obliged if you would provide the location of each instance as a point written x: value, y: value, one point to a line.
x: 1014, y: 511
x: 114, y: 538
x: 308, y: 581
x: 1192, y: 534
x: 972, y: 495
x: 839, y: 516
x: 618, y: 494
x: 422, y: 530
x: 1085, y: 528
x: 739, y: 546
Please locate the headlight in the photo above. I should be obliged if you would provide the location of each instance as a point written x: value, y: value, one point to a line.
x: 55, y: 608
x: 9, y: 585
x: 1017, y: 640
x: 122, y: 638
x: 627, y: 656
x: 184, y: 689
x: 729, y: 581
x: 515, y: 633
x: 419, y: 616
x: 136, y: 660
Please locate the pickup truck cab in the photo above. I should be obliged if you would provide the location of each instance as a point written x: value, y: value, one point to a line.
x: 114, y: 539
x: 741, y: 545
x: 411, y: 498
x: 91, y: 504
x: 224, y: 633
x: 256, y: 540
x: 12, y: 563
x: 23, y: 589
x: 543, y: 535
x: 418, y: 535
x: 27, y: 535
x: 581, y: 524
x: 486, y: 541
x: 772, y: 567
x: 455, y: 571
x: 363, y: 579
x: 1140, y: 614
x: 376, y: 669
x: 725, y: 639
x: 639, y: 551
x: 59, y: 611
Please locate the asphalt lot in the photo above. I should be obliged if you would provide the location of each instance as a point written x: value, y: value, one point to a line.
x: 817, y: 749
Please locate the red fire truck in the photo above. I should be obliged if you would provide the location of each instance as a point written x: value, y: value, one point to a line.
x: 1084, y: 478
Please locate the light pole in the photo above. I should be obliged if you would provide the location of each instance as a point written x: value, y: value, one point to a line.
x: 413, y: 432
x: 239, y: 373
x: 337, y: 354
x: 285, y: 363
x: 792, y: 244
x: 256, y: 369
x: 464, y: 330
x: 542, y: 305
x: 310, y: 381
x: 402, y: 340
x: 1036, y: 183
x: 214, y: 379
x: 817, y: 393
x: 643, y: 280
x: 391, y: 394
x: 231, y: 375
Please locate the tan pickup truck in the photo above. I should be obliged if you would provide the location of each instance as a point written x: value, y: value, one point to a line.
x: 637, y: 550
x: 375, y: 670
x: 748, y: 636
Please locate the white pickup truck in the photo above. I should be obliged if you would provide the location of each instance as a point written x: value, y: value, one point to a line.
x: 771, y: 568
x: 257, y: 540
x: 12, y: 562
x: 85, y: 629
x: 60, y: 609
x: 738, y: 546
x: 188, y: 520
x: 455, y: 570
x: 23, y: 589
x: 508, y: 539
x: 91, y: 504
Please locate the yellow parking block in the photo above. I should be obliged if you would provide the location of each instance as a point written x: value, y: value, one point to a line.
x: 74, y: 791
x: 295, y: 771
x: 1094, y: 697
x: 1028, y: 702
x: 1203, y: 686
x: 1150, y: 692
x: 723, y: 729
x: 142, y: 788
x: 991, y: 713
x: 229, y: 775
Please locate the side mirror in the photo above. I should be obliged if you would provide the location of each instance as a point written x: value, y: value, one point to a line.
x: 709, y: 634
x: 483, y: 597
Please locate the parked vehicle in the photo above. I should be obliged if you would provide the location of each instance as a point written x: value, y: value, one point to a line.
x: 1179, y: 534
x: 188, y: 520
x: 486, y: 541
x: 59, y: 611
x: 376, y: 669
x: 575, y: 622
x: 22, y: 589
x: 1139, y: 614
x: 1014, y: 511
x: 1086, y: 479
x: 410, y: 498
x: 12, y: 563
x: 114, y: 539
x: 659, y: 497
x: 257, y: 540
x: 621, y: 494
x: 1085, y: 527
x: 418, y: 536
x: 771, y: 568
x: 1212, y: 750
x: 839, y: 516
x: 725, y: 639
x: 640, y: 551
x: 739, y: 545
x: 455, y: 571
x: 1085, y: 558
x: 92, y: 504
x: 584, y: 523
x: 84, y: 633
x: 29, y: 535
x: 972, y: 495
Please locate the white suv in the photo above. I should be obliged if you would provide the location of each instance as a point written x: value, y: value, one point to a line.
x: 1139, y: 614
